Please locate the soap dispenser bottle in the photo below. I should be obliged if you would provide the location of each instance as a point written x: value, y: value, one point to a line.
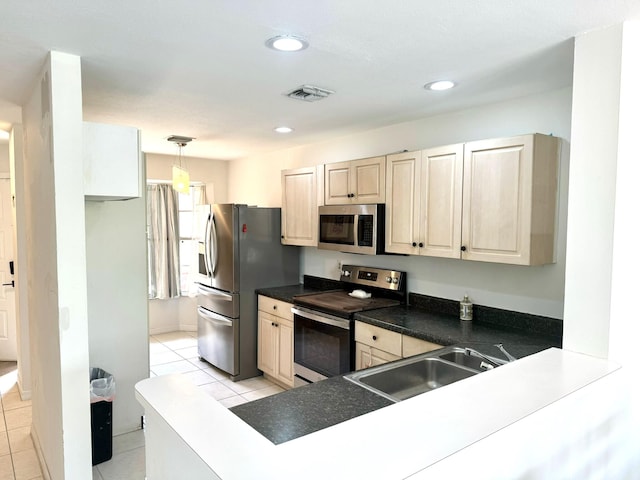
x: 466, y: 308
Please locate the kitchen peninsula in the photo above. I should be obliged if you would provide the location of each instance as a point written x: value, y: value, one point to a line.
x: 190, y: 435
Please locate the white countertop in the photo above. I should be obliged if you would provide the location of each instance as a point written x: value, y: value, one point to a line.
x: 393, y: 442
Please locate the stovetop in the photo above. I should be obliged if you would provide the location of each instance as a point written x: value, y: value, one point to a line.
x: 386, y: 287
x: 340, y: 303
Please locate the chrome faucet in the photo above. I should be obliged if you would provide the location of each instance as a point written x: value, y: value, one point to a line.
x: 510, y: 357
x: 487, y: 364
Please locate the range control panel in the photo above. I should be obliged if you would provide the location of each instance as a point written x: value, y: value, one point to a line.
x: 374, y: 277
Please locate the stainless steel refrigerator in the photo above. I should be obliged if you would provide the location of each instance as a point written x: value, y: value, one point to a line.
x: 239, y: 251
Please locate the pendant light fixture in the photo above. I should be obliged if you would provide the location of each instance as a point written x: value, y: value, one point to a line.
x: 179, y: 173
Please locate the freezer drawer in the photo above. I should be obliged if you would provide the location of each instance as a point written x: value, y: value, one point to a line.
x: 218, y: 340
x: 214, y: 300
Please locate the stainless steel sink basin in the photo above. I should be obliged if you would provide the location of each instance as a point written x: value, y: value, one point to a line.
x: 406, y: 378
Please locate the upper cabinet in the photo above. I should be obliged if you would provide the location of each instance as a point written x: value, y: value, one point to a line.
x: 356, y: 181
x: 491, y: 200
x: 510, y: 198
x: 424, y: 200
x: 301, y: 195
x: 112, y: 162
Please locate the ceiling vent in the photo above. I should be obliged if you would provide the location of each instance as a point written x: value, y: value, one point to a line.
x: 309, y: 93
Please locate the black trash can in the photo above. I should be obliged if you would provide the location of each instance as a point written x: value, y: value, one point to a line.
x: 102, y: 392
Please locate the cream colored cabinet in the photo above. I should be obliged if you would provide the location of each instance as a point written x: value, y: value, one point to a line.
x: 356, y: 181
x: 509, y: 202
x: 491, y: 200
x: 302, y: 192
x: 413, y: 346
x: 112, y: 162
x: 375, y: 345
x: 275, y: 340
x: 424, y: 200
x: 368, y: 356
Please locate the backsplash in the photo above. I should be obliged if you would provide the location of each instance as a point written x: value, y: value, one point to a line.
x: 537, y: 324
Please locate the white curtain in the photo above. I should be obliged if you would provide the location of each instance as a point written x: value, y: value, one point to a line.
x: 163, y: 236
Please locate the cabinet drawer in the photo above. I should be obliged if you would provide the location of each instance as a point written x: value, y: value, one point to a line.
x: 379, y: 338
x: 275, y: 307
x: 413, y: 346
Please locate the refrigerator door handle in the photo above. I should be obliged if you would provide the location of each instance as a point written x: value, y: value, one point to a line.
x: 214, y: 246
x: 212, y: 292
x: 207, y: 247
x: 214, y: 317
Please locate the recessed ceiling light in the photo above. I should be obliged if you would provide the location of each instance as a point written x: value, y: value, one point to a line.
x: 283, y: 129
x: 440, y: 85
x: 287, y: 43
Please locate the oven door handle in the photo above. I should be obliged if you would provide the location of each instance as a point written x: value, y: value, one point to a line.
x: 329, y: 320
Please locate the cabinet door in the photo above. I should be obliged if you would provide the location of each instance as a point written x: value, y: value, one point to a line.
x: 413, y: 346
x: 368, y: 180
x: 266, y: 343
x: 441, y: 201
x: 285, y: 352
x: 509, y: 206
x: 299, y: 221
x: 367, y: 356
x: 111, y: 161
x: 337, y: 183
x: 403, y: 203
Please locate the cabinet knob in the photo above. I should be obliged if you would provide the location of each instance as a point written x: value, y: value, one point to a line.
x: 421, y: 244
x: 275, y: 307
x: 281, y: 236
x: 374, y: 337
x: 414, y: 244
x: 463, y: 248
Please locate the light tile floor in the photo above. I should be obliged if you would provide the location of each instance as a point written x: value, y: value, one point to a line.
x: 174, y: 352
x: 18, y: 459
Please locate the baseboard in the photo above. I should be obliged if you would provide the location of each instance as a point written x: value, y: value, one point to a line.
x: 38, y: 448
x: 188, y: 328
x: 24, y: 394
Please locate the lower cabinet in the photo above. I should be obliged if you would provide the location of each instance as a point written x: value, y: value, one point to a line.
x: 375, y: 346
x: 275, y: 340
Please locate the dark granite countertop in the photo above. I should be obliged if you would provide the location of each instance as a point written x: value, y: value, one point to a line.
x: 303, y: 410
x: 307, y: 409
x: 311, y: 285
x: 445, y: 329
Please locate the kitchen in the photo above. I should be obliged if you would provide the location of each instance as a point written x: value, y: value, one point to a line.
x: 557, y: 105
x: 447, y: 285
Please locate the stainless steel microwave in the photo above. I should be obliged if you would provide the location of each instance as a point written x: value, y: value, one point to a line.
x: 352, y: 228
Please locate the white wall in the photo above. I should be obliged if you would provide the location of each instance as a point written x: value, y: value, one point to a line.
x: 180, y: 313
x: 117, y: 299
x: 537, y: 290
x: 601, y: 268
x: 56, y: 269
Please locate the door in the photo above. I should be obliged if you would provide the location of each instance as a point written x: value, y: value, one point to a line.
x: 224, y: 247
x: 403, y: 203
x: 8, y: 339
x: 300, y: 207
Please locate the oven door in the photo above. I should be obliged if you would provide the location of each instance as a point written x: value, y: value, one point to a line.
x: 322, y: 346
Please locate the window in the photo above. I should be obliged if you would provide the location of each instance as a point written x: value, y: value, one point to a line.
x: 189, y: 228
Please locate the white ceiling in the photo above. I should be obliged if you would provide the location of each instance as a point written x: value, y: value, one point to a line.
x: 200, y: 67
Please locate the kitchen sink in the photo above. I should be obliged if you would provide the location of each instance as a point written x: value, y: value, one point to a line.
x: 460, y: 356
x: 422, y: 373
